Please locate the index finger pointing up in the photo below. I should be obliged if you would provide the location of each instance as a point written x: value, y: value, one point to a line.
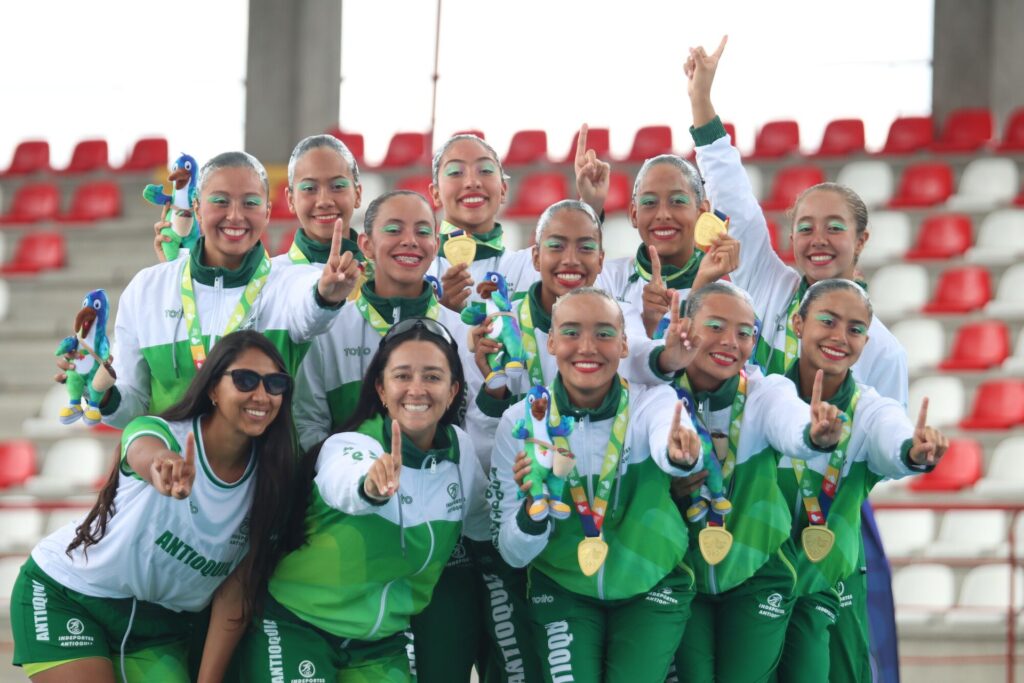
x: 190, y: 450
x: 339, y: 233
x: 655, y: 265
x: 396, y: 445
x: 581, y: 145
x: 819, y: 378
x: 721, y: 48
x: 673, y: 312
x: 922, y: 416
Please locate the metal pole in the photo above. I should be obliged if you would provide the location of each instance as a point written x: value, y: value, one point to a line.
x: 436, y: 76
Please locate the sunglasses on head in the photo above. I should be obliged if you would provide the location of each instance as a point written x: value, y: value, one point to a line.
x: 276, y: 383
x: 429, y: 324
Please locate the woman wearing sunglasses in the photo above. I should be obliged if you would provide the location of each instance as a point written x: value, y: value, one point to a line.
x: 379, y: 509
x: 174, y: 526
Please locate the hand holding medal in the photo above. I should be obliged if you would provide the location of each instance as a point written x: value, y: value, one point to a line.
x: 929, y: 443
x: 341, y: 272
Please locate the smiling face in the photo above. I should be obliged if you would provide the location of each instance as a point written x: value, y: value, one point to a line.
x: 416, y: 388
x: 246, y: 412
x: 568, y: 255
x: 324, y: 191
x: 825, y: 240
x: 402, y: 242
x: 469, y: 186
x: 233, y: 212
x: 665, y: 211
x: 725, y: 324
x: 588, y: 341
x: 834, y: 333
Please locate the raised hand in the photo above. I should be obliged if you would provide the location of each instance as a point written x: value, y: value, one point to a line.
x: 680, y: 348
x: 684, y: 445
x: 457, y: 285
x: 160, y: 240
x: 826, y: 419
x: 700, y: 69
x: 172, y: 475
x: 591, y: 173
x: 929, y: 443
x: 722, y: 258
x: 656, y: 296
x: 381, y: 481
x: 341, y: 272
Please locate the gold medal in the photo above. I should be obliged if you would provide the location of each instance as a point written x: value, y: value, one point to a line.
x: 460, y: 249
x: 591, y: 553
x: 817, y: 541
x: 715, y: 543
x: 708, y: 227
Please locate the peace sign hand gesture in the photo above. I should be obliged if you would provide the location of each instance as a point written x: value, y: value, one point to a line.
x: 381, y: 481
x: 929, y: 443
x: 680, y: 348
x: 591, y: 173
x: 656, y: 296
x: 684, y: 445
x: 826, y: 419
x: 172, y: 475
x: 340, y: 273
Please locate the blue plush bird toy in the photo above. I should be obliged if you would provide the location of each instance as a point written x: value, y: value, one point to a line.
x: 177, y: 206
x: 89, y: 350
x: 510, y: 362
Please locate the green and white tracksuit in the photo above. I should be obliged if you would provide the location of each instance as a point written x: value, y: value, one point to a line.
x: 880, y: 438
x: 152, y: 356
x: 631, y: 612
x: 773, y: 285
x: 491, y: 256
x: 367, y: 567
x: 743, y: 603
x: 160, y: 557
x: 328, y: 384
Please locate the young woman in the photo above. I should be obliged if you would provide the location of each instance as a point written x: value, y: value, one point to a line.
x: 470, y: 186
x: 323, y: 188
x: 623, y: 618
x: 744, y: 595
x: 175, y: 518
x: 172, y: 313
x: 376, y: 523
x: 878, y: 442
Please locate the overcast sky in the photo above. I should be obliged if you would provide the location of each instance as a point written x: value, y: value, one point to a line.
x: 178, y: 69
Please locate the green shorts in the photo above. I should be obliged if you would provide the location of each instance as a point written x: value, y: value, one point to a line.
x: 53, y: 625
x: 281, y: 646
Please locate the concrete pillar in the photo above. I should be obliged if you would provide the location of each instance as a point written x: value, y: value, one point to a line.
x: 293, y: 74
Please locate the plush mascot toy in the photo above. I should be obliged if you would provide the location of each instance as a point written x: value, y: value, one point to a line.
x: 548, y: 465
x: 510, y: 362
x: 177, y: 206
x: 435, y: 284
x: 712, y: 492
x: 89, y: 350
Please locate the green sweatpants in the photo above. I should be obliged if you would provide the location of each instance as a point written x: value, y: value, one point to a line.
x: 608, y: 641
x: 737, y: 636
x: 849, y: 645
x: 805, y: 656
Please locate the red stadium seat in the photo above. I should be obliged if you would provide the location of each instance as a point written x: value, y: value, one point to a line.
x: 407, y: 149
x: 33, y: 202
x: 922, y: 185
x: 961, y: 290
x: 966, y: 130
x: 777, y: 139
x: 89, y: 155
x: 774, y: 233
x: 1013, y: 134
x: 842, y: 137
x: 597, y: 140
x: 942, y: 237
x: 998, y: 404
x: 909, y: 134
x: 730, y: 130
x: 650, y: 141
x: 279, y: 210
x: 285, y: 243
x: 17, y: 462
x: 538, y: 191
x: 94, y: 201
x: 789, y: 183
x: 147, y: 154
x: 959, y: 468
x: 417, y: 183
x: 31, y: 156
x: 354, y: 142
x: 37, y: 251
x: 620, y: 192
x: 527, y: 147
x: 979, y: 346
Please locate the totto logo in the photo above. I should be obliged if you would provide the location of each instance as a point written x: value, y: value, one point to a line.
x: 306, y: 669
x: 75, y: 627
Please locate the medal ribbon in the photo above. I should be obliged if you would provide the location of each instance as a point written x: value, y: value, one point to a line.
x: 377, y: 321
x: 817, y: 496
x: 295, y: 254
x: 190, y: 310
x: 592, y: 516
x: 641, y: 273
x: 533, y: 364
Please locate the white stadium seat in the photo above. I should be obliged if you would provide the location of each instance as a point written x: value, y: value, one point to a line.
x: 904, y: 532
x: 946, y: 400
x: 898, y: 289
x: 985, y: 595
x: 756, y: 180
x: 619, y: 237
x: 969, y: 533
x: 61, y: 518
x: 1005, y: 473
x: 70, y: 466
x: 873, y: 180
x: 1000, y: 238
x: 1015, y: 363
x: 20, y: 528
x: 1009, y: 299
x: 9, y: 568
x: 888, y: 238
x: 924, y: 341
x: 986, y: 184
x: 922, y: 592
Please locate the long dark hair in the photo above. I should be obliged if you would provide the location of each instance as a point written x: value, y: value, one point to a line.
x: 368, y: 407
x: 274, y: 452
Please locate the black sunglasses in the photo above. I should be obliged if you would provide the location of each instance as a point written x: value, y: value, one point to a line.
x: 276, y: 383
x: 429, y: 324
